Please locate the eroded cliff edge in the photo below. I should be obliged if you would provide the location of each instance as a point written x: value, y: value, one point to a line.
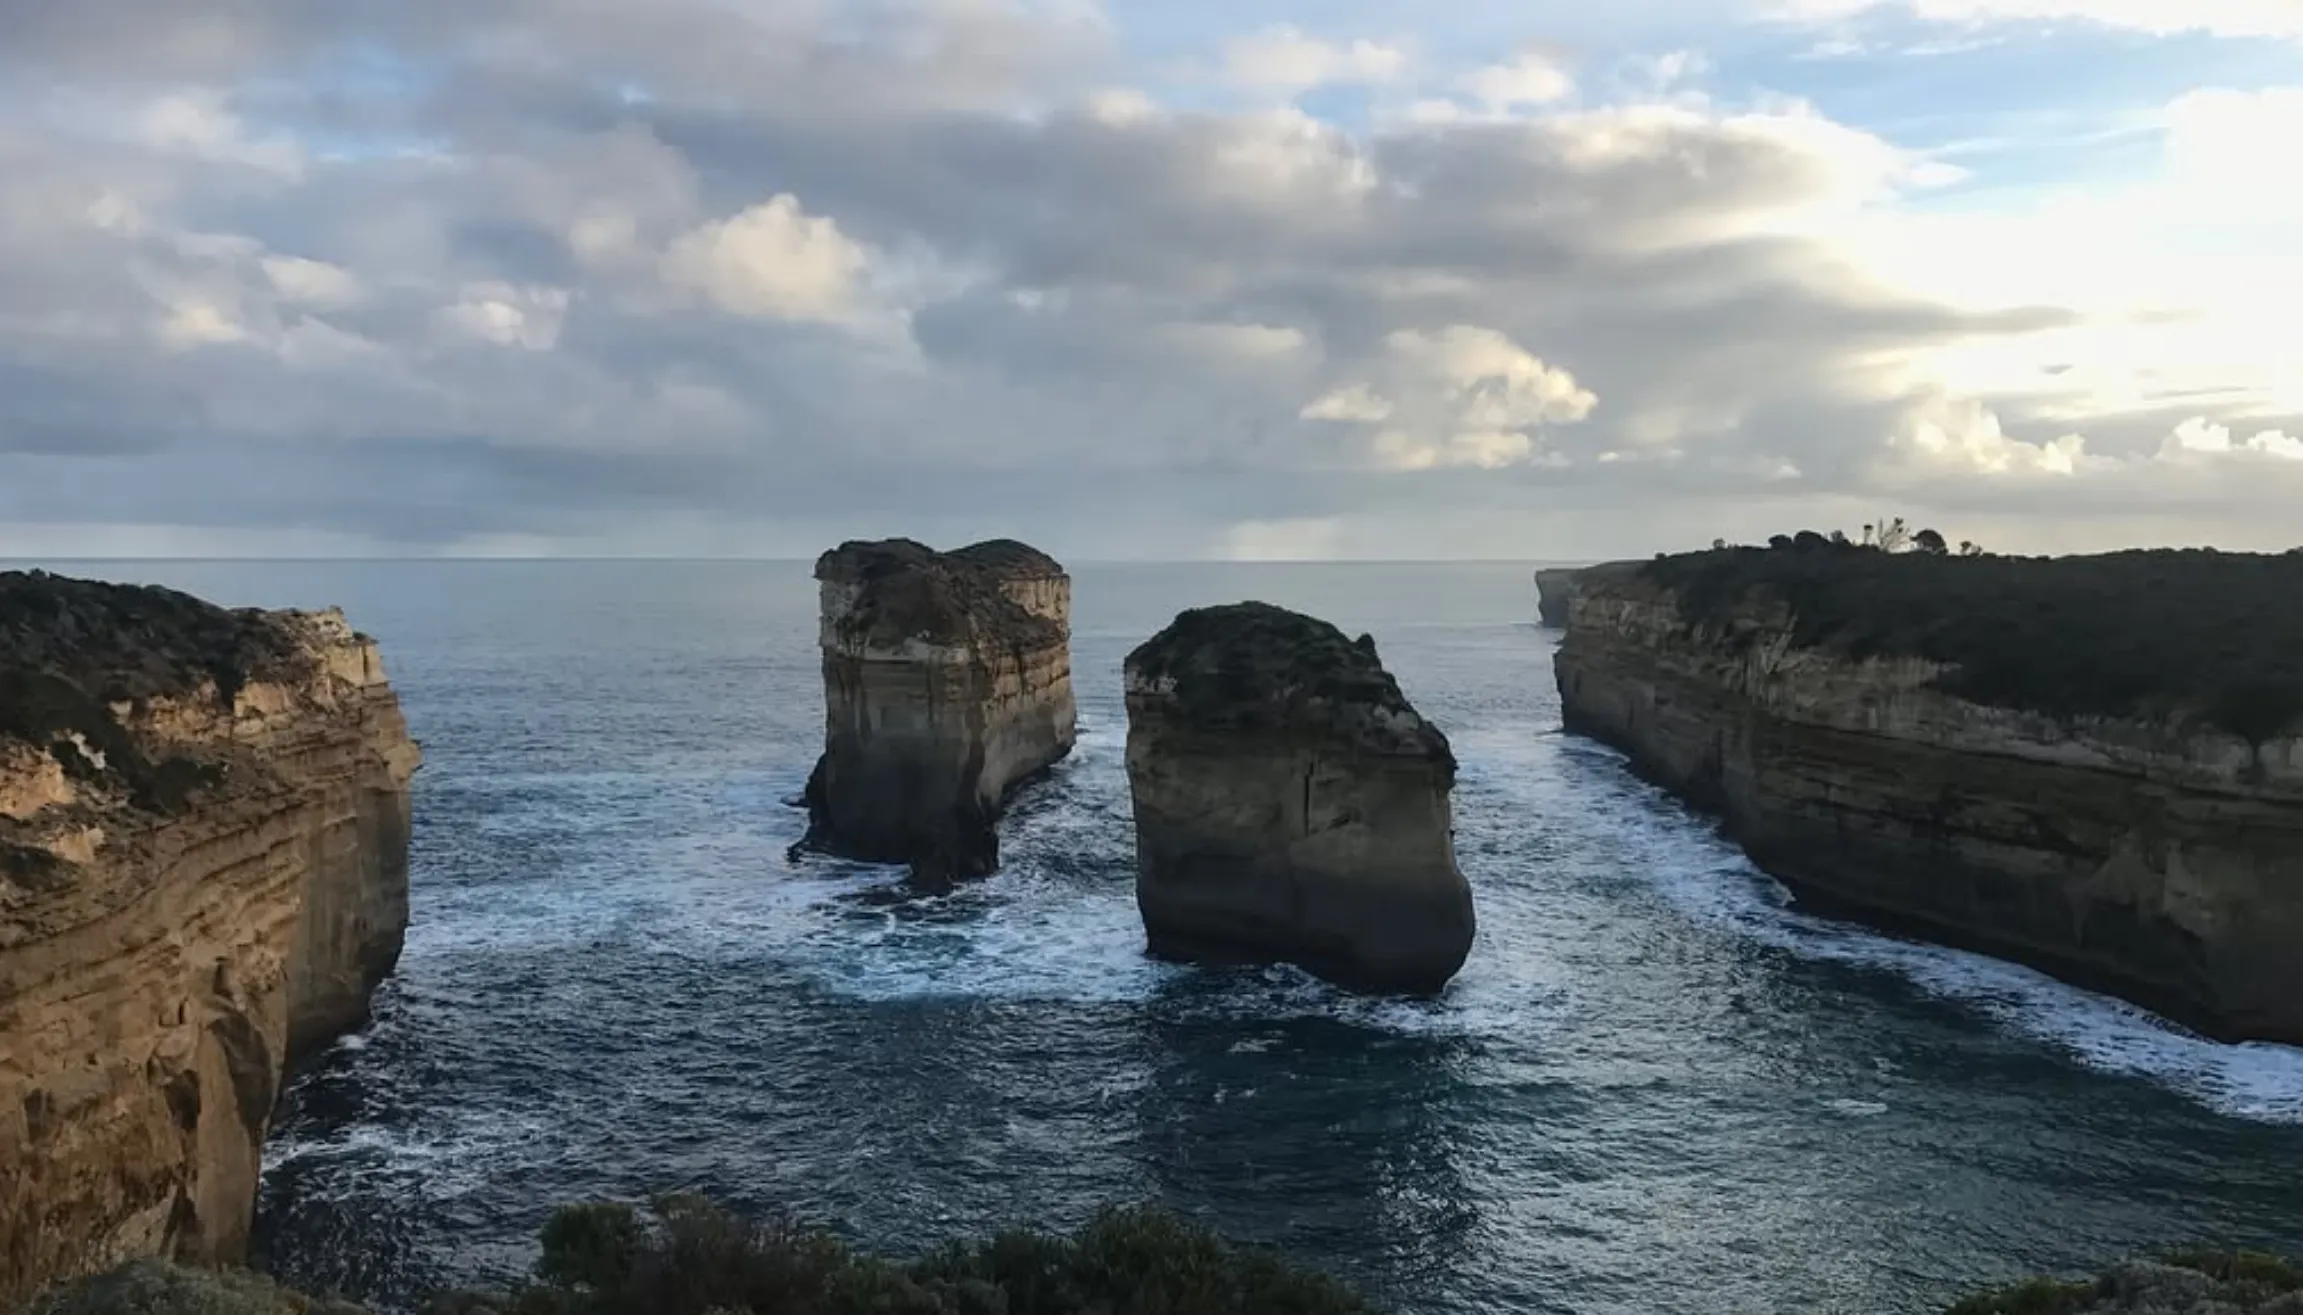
x: 1290, y: 805
x: 947, y: 684
x: 1555, y: 595
x: 203, y: 875
x: 2091, y: 765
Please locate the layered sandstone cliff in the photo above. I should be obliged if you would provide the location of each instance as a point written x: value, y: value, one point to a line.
x: 947, y: 684
x: 1554, y: 595
x: 1290, y: 805
x: 203, y: 874
x: 2084, y: 765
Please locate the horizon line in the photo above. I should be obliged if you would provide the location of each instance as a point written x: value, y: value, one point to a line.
x: 15, y: 561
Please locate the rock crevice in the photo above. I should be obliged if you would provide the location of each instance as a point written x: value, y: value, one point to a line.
x: 203, y: 876
x: 947, y: 685
x: 1290, y: 805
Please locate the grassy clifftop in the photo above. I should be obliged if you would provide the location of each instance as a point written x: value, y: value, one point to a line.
x: 2145, y: 633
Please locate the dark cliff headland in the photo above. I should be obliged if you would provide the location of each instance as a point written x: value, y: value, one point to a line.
x: 2090, y: 764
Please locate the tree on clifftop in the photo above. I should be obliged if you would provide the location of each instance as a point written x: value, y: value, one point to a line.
x: 1930, y: 542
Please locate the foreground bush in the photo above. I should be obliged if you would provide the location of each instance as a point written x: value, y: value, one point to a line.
x: 155, y: 1287
x: 2197, y: 1282
x: 689, y: 1257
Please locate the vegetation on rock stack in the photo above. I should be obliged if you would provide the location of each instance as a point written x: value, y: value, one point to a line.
x: 1254, y: 666
x: 2141, y: 633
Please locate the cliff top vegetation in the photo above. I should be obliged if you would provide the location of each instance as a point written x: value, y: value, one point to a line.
x: 1253, y: 666
x: 907, y: 590
x: 70, y: 649
x: 2141, y: 633
x: 123, y: 642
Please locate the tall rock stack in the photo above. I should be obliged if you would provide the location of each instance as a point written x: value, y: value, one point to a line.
x: 203, y: 874
x: 947, y: 684
x: 1290, y: 805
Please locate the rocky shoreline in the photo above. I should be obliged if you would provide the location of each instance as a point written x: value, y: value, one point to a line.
x: 1853, y: 722
x: 204, y: 831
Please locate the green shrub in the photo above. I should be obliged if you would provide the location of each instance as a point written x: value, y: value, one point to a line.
x: 2164, y: 632
x: 687, y: 1256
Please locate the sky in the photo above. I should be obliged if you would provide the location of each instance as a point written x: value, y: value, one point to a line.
x: 1167, y: 279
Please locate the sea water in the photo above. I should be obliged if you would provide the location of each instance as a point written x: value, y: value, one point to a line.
x: 1654, y: 1088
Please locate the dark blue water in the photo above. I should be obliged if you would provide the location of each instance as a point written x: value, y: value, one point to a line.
x: 1653, y: 1089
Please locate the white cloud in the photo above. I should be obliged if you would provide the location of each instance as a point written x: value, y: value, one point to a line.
x: 510, y: 316
x: 2228, y: 18
x: 2199, y: 436
x: 1531, y: 79
x: 772, y: 261
x: 1469, y: 396
x: 1286, y: 59
x: 198, y: 322
x: 311, y: 282
x: 1963, y: 437
x: 1352, y: 402
x: 199, y: 124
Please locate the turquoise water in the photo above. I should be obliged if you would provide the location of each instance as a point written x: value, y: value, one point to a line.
x: 1653, y: 1089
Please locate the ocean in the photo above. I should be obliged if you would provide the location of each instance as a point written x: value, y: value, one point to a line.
x: 1655, y: 1088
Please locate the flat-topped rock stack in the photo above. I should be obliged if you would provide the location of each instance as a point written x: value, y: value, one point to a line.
x: 1290, y: 805
x: 204, y: 836
x: 947, y: 684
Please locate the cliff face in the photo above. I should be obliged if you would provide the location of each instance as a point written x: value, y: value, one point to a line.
x: 203, y: 875
x: 947, y: 684
x: 1290, y: 805
x: 1554, y: 593
x: 2151, y: 855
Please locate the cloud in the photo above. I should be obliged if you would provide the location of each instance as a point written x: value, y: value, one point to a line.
x: 509, y: 316
x: 1531, y: 79
x: 2198, y: 436
x: 742, y: 278
x: 771, y: 260
x: 1288, y: 60
x: 2225, y: 18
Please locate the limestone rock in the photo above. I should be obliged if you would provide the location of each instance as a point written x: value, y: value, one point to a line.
x: 1290, y: 805
x: 2151, y: 854
x: 947, y: 685
x: 1554, y: 594
x: 203, y: 875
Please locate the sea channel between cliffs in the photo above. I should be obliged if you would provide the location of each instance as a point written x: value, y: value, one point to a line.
x: 1651, y: 1080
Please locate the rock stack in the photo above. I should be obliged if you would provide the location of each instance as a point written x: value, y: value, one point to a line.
x: 203, y: 874
x: 1290, y: 805
x: 947, y: 684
